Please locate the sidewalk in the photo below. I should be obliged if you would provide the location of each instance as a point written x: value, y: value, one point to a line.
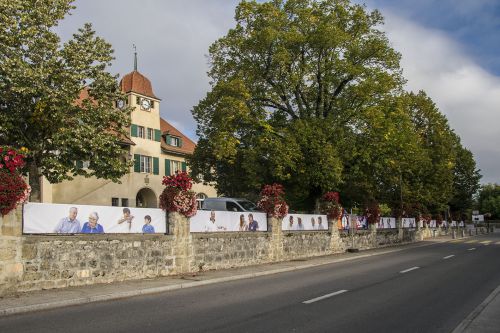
x: 53, y: 298
x: 485, y: 318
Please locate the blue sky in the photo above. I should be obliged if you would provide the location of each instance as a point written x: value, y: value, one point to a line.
x: 449, y: 49
x: 473, y: 23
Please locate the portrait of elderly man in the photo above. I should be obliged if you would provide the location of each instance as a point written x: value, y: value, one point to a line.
x: 69, y: 224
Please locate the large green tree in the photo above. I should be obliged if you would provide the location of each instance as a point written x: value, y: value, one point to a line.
x: 295, y: 86
x: 41, y: 108
x: 489, y: 200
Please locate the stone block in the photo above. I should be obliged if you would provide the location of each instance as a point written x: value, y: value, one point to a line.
x: 83, y: 273
x: 29, y: 251
x: 7, y: 254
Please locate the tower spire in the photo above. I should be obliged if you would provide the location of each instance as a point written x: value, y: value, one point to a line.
x: 135, y: 57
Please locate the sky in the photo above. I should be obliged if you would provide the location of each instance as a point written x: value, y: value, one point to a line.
x: 450, y: 49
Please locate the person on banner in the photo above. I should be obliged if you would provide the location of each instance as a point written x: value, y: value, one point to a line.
x: 313, y: 224
x: 300, y: 226
x: 290, y: 222
x: 147, y: 228
x: 211, y: 226
x: 69, y: 224
x: 243, y: 223
x: 252, y: 224
x: 92, y: 227
x: 320, y: 224
x: 127, y: 217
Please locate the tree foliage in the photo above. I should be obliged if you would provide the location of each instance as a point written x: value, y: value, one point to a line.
x: 310, y: 94
x: 41, y: 80
x: 489, y: 200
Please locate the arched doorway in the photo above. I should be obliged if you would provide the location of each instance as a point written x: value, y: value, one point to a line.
x: 146, y: 198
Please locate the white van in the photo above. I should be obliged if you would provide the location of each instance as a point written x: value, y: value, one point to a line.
x: 229, y: 204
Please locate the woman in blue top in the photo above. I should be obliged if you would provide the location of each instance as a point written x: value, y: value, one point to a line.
x: 148, y: 228
x: 92, y: 227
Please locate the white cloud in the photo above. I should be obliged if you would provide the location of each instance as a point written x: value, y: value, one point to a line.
x: 468, y: 95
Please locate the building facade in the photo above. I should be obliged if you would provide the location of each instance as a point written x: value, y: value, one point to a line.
x: 156, y: 148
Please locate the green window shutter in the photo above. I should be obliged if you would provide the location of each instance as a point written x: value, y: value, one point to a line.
x: 169, y: 140
x: 183, y: 166
x: 180, y: 142
x: 133, y: 130
x: 79, y: 164
x: 137, y: 163
x: 157, y: 135
x: 167, y: 167
x: 156, y: 166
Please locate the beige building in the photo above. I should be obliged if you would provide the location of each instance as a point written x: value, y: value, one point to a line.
x: 155, y: 147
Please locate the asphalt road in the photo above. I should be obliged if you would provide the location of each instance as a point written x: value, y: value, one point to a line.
x: 425, y: 289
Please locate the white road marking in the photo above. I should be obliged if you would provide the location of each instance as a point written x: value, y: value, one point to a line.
x: 497, y: 243
x: 324, y: 296
x: 448, y: 257
x: 409, y: 270
x: 471, y: 249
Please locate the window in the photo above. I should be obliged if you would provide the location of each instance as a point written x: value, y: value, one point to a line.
x: 140, y: 132
x: 114, y: 201
x: 176, y: 166
x: 232, y: 207
x: 124, y: 202
x: 176, y: 142
x: 145, y: 165
x: 151, y: 134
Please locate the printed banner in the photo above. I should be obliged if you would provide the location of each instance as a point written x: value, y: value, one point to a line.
x: 42, y: 218
x: 303, y: 222
x: 408, y: 222
x: 223, y: 221
x: 386, y: 223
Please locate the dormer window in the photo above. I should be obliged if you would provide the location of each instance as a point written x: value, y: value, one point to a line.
x: 176, y: 142
x: 173, y: 141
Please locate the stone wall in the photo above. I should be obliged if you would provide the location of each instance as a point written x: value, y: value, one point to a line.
x: 226, y: 250
x: 56, y: 262
x: 30, y: 262
x: 303, y: 244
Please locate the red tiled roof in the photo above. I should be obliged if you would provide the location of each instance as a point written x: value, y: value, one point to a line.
x: 138, y: 83
x: 187, y: 144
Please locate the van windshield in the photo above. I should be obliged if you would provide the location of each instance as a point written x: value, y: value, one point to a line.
x: 247, y: 205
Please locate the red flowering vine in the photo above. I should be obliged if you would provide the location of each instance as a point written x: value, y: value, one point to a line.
x: 330, y: 205
x: 177, y: 195
x: 272, y: 201
x: 13, y: 188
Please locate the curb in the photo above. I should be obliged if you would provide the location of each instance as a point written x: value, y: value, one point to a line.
x: 477, y: 311
x: 155, y: 290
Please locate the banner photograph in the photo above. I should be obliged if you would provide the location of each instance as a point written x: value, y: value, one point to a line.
x: 304, y: 222
x: 41, y: 218
x: 386, y: 223
x: 408, y: 222
x: 223, y: 221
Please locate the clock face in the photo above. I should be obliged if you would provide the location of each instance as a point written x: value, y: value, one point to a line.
x: 145, y: 104
x: 120, y: 103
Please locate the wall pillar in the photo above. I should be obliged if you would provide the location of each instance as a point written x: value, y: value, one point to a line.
x: 276, y: 251
x: 373, y: 234
x: 179, y: 228
x: 11, y: 268
x: 335, y: 241
x: 399, y: 226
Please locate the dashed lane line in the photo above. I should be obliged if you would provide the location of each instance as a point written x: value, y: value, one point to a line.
x: 471, y: 249
x: 409, y: 270
x: 325, y: 296
x: 448, y: 257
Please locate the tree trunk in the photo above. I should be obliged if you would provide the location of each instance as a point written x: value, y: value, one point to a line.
x: 35, y: 181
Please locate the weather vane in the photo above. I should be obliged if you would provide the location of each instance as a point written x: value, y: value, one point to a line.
x: 135, y: 57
